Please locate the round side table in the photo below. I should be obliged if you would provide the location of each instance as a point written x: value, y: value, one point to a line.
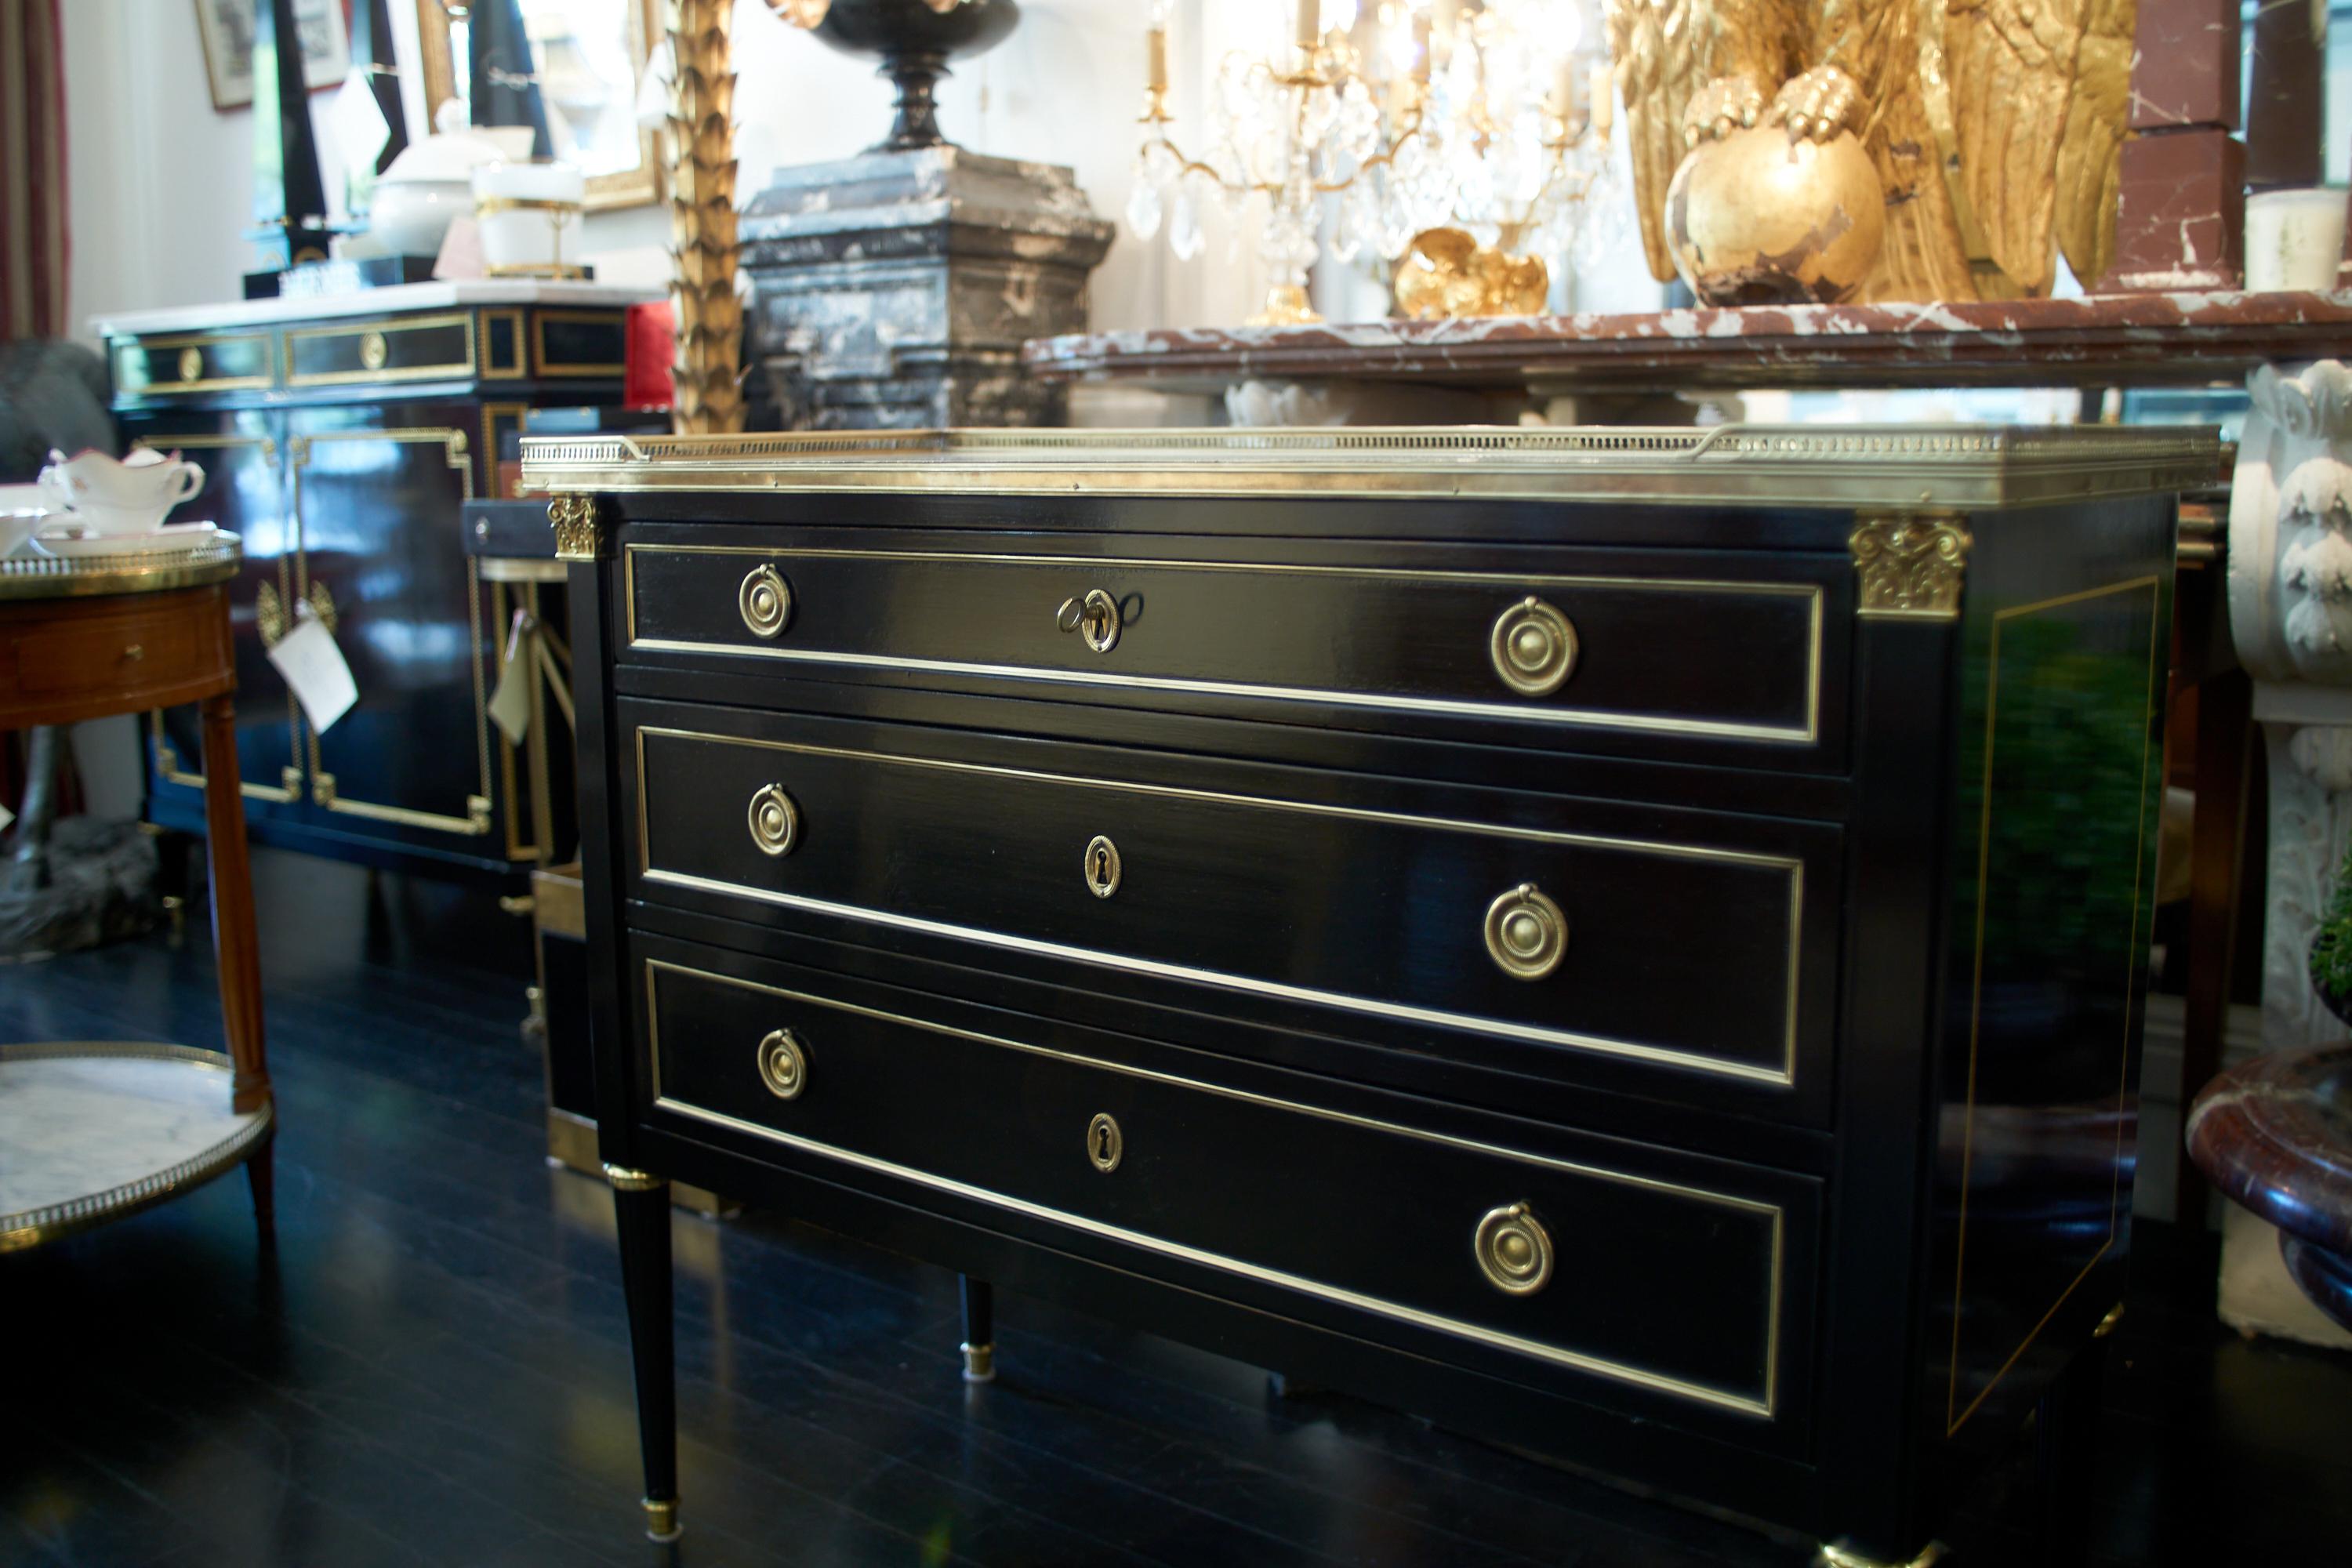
x: 90, y: 1131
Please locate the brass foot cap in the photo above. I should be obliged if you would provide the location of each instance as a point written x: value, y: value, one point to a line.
x: 661, y: 1520
x: 978, y: 1363
x: 1842, y: 1557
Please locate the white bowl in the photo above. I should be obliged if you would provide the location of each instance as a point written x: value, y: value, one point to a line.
x: 411, y: 217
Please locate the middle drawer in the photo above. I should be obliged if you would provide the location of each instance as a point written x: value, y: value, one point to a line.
x: 1680, y: 943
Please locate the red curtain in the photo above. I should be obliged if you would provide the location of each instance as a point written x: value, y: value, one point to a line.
x: 33, y: 246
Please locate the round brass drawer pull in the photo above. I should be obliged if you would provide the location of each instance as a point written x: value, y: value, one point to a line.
x: 374, y: 351
x: 783, y: 1064
x: 1514, y: 1250
x: 1526, y: 934
x: 1096, y: 617
x: 775, y: 820
x: 1102, y: 866
x: 1533, y: 646
x: 1105, y: 1142
x: 766, y: 601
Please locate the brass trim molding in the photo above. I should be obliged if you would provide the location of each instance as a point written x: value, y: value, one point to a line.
x: 1807, y: 733
x: 376, y: 337
x: 1905, y: 467
x: 584, y: 370
x: 494, y: 369
x: 51, y: 1222
x: 626, y: 1180
x: 1911, y: 566
x: 580, y: 534
x: 1766, y: 1405
x: 1955, y: 1416
x: 1783, y: 1076
x: 156, y: 350
x: 325, y: 788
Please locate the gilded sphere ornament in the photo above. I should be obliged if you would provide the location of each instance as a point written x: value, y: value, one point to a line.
x: 1757, y: 217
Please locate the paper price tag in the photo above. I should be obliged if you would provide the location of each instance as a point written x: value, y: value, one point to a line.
x: 509, y: 707
x: 6, y: 816
x: 315, y: 672
x: 359, y: 127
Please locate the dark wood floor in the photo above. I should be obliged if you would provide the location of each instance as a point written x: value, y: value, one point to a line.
x: 434, y: 1370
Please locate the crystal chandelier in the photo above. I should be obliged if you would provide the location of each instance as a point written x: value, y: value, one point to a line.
x: 1415, y: 114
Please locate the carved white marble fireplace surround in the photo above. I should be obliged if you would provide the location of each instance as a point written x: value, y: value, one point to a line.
x: 2290, y: 596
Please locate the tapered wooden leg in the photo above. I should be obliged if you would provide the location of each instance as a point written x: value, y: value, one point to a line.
x: 641, y: 1203
x: 236, y: 948
x: 979, y: 1331
x: 260, y: 1175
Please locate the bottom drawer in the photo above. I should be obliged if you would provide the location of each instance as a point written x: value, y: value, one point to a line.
x: 1643, y: 1268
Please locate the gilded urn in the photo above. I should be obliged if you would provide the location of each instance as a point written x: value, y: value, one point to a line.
x: 1760, y: 218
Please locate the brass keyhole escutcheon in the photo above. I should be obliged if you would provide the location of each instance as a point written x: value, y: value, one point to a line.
x: 1526, y: 934
x: 1513, y: 1249
x: 766, y: 602
x: 1105, y: 1142
x: 1096, y: 617
x: 775, y: 821
x: 1533, y: 646
x: 783, y: 1064
x: 374, y: 351
x: 1102, y: 866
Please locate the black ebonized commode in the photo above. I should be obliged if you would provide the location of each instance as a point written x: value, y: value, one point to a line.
x: 1630, y: 943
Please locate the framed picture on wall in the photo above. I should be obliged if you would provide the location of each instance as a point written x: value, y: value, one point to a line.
x: 228, y: 29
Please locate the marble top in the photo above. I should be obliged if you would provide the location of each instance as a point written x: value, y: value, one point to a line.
x: 2275, y: 1134
x: 369, y: 302
x: 89, y: 1131
x: 2184, y: 337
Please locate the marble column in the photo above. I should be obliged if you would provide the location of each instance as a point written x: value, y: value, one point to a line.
x: 2290, y: 594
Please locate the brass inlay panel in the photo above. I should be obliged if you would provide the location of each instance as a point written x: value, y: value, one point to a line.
x: 493, y: 369
x: 1806, y: 733
x: 583, y: 369
x: 325, y: 788
x: 167, y: 756
x: 1784, y: 1075
x: 159, y: 353
x: 1765, y: 1404
x: 1955, y: 1416
x: 384, y: 331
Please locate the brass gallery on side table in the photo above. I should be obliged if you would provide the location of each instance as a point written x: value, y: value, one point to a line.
x: 1630, y: 942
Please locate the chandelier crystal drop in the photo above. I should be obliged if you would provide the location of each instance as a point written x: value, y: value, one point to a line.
x: 1492, y: 116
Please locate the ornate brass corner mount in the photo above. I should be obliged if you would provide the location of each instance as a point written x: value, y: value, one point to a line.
x: 626, y: 1180
x: 478, y: 813
x: 1912, y: 565
x: 579, y: 532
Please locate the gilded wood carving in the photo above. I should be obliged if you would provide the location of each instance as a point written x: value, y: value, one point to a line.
x: 1996, y: 127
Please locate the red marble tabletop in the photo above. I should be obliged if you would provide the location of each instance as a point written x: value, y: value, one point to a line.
x: 2275, y: 1134
x: 2184, y: 338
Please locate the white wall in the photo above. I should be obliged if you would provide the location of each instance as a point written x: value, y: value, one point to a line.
x: 163, y: 184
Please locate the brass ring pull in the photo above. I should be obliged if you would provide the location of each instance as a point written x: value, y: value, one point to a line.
x: 766, y: 601
x: 783, y: 1064
x: 1533, y: 646
x: 1513, y: 1249
x: 1526, y: 934
x: 1095, y: 616
x: 775, y: 820
x: 1105, y: 1142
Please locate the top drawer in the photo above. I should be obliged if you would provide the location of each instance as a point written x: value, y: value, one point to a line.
x: 1721, y: 653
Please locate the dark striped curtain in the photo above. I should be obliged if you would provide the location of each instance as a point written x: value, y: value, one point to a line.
x: 33, y: 232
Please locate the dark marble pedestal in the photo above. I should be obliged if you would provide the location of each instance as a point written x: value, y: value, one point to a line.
x: 893, y: 291
x: 2275, y: 1134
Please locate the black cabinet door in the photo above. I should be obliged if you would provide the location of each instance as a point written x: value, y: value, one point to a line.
x: 377, y: 492
x: 243, y: 455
